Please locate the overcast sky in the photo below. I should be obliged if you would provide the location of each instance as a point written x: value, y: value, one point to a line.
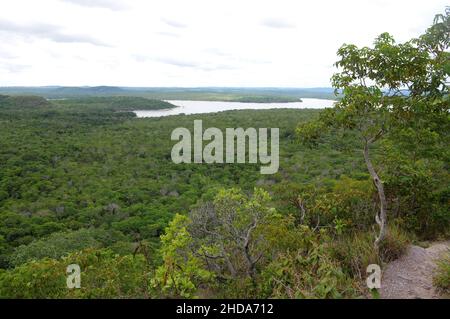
x: 193, y: 43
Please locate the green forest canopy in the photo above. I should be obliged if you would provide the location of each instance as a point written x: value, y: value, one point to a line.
x: 84, y: 181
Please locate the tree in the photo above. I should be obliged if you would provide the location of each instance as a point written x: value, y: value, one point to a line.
x: 181, y: 270
x: 227, y: 231
x: 386, y: 88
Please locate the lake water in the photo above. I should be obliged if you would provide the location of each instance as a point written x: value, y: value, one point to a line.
x: 198, y: 107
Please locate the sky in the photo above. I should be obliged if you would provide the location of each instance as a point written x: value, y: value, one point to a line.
x: 195, y: 43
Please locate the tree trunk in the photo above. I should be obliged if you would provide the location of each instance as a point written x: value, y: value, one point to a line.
x: 381, y: 217
x: 251, y: 262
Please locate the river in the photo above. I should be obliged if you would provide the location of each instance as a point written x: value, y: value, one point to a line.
x: 198, y: 107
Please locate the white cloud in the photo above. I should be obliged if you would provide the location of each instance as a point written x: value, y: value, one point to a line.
x: 108, y: 4
x: 13, y: 68
x: 277, y: 23
x: 174, y: 23
x: 193, y: 43
x: 47, y: 31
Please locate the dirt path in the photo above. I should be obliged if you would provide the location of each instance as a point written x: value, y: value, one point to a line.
x: 411, y: 276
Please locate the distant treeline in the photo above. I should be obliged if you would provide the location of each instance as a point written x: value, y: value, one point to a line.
x: 256, y: 95
x: 111, y: 103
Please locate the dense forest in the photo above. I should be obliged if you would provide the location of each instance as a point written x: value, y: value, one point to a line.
x: 83, y: 181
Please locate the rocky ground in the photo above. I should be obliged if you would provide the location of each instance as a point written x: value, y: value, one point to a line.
x: 411, y: 276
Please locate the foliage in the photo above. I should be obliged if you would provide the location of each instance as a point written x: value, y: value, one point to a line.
x: 345, y: 205
x: 59, y: 244
x: 416, y: 180
x: 355, y: 250
x: 306, y: 274
x: 181, y: 271
x: 103, y: 275
x: 119, y: 103
x: 442, y: 278
x: 396, y: 91
x: 228, y: 233
x: 310, y: 132
x: 22, y: 102
x: 84, y: 181
x: 86, y: 167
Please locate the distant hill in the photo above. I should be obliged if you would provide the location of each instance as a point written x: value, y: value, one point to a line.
x: 88, y: 91
x: 175, y: 93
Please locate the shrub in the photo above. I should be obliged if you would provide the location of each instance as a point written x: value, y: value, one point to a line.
x: 181, y: 272
x: 356, y: 251
x: 308, y: 272
x: 442, y: 278
x: 348, y: 206
x: 62, y: 243
x: 103, y: 275
x: 395, y: 243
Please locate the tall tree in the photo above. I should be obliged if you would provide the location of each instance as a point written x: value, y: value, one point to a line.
x: 388, y: 87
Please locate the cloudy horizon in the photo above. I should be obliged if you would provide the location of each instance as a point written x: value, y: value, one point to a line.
x: 193, y: 43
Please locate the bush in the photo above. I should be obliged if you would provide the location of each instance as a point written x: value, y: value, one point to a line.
x: 356, y: 251
x: 62, y: 243
x: 181, y: 272
x: 308, y: 272
x: 348, y: 205
x: 395, y: 243
x: 103, y: 275
x: 442, y: 278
